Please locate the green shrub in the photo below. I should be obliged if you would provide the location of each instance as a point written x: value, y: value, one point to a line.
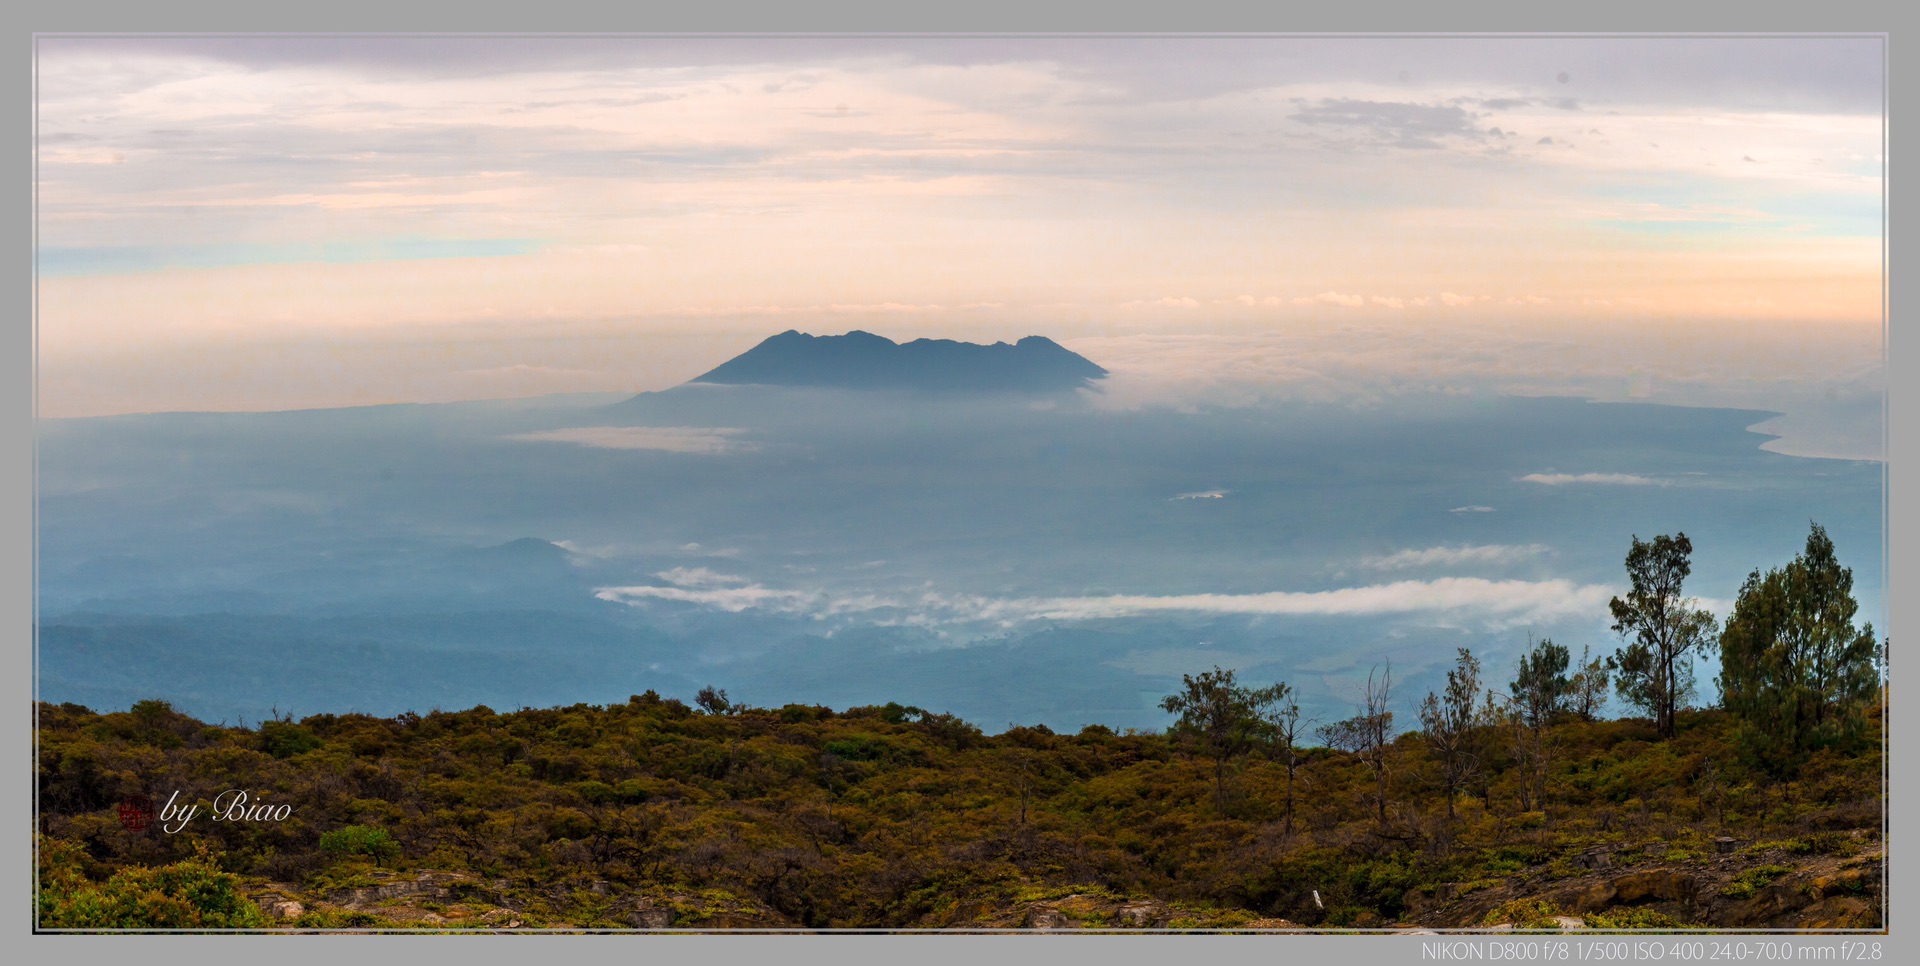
x: 1747, y: 883
x: 284, y: 739
x: 1525, y: 914
x: 1635, y: 918
x: 376, y: 843
x: 339, y: 919
x: 190, y: 894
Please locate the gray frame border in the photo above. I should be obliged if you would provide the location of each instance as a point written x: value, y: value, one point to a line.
x: 858, y: 19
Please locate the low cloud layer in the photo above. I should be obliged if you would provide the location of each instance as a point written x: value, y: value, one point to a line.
x: 1505, y: 598
x: 675, y: 439
x: 730, y: 599
x: 1605, y: 479
x: 1456, y: 556
x: 1469, y: 597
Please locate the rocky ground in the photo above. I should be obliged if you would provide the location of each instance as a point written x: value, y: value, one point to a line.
x: 1755, y: 886
x: 1739, y: 886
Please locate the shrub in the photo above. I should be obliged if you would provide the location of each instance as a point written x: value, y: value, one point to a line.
x: 190, y: 894
x: 284, y: 739
x: 1635, y: 918
x: 376, y: 843
x: 1525, y: 914
x: 1747, y: 883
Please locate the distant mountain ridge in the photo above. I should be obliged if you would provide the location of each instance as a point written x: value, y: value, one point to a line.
x: 862, y: 360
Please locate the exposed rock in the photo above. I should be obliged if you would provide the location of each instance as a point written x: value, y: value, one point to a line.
x: 1816, y: 891
x: 1595, y: 860
x: 280, y: 907
x: 1838, y: 912
x: 1040, y: 917
x: 1634, y: 887
x: 431, y: 886
x: 1273, y: 924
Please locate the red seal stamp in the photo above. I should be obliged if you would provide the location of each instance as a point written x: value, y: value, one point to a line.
x: 136, y: 813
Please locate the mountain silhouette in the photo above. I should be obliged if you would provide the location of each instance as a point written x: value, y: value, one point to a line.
x: 862, y: 360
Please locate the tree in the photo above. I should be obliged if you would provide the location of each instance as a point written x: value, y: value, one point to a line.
x: 713, y: 700
x: 1365, y: 734
x: 1540, y: 685
x: 1539, y: 690
x: 1793, y: 667
x: 1451, y: 726
x: 1286, y: 724
x: 1663, y: 630
x: 1587, y: 689
x: 1223, y: 719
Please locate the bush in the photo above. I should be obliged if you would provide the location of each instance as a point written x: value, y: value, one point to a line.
x: 190, y: 894
x: 1747, y: 883
x: 1525, y: 914
x: 1635, y: 918
x: 376, y: 843
x: 284, y: 739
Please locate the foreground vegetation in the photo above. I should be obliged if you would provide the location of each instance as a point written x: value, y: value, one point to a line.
x: 1515, y: 806
x: 652, y: 813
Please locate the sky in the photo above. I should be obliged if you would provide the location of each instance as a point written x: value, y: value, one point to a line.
x: 253, y: 223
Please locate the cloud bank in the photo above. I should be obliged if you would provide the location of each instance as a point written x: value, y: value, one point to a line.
x: 1607, y: 479
x: 1457, y: 597
x: 674, y: 439
x: 1456, y: 556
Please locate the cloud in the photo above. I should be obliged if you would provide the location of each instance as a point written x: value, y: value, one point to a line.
x: 524, y: 369
x: 1506, y: 599
x: 1333, y: 298
x: 674, y: 439
x: 1547, y: 598
x: 1455, y: 556
x: 1456, y: 301
x: 698, y: 577
x: 1471, y: 509
x: 730, y: 599
x: 1393, y: 123
x: 1389, y: 302
x: 1203, y: 495
x: 1615, y: 479
x: 1171, y: 302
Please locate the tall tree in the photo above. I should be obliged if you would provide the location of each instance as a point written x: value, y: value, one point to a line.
x: 1540, y: 685
x: 1451, y: 724
x: 1539, y: 691
x: 1223, y: 719
x: 1663, y: 630
x: 1587, y: 689
x: 1793, y: 666
x: 1367, y: 734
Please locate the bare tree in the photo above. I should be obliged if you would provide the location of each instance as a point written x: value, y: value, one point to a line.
x: 1286, y: 725
x: 1366, y: 734
x: 1532, y: 748
x: 1587, y: 689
